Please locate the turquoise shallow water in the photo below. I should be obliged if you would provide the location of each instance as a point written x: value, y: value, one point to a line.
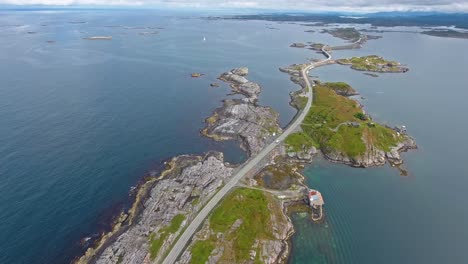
x: 82, y: 121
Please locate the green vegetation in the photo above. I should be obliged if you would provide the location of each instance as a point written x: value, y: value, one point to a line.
x: 212, y: 119
x: 299, y: 141
x: 336, y: 124
x: 246, y: 204
x: 249, y: 206
x: 341, y: 88
x: 373, y: 63
x: 196, y: 201
x: 272, y: 129
x: 350, y: 34
x: 279, y: 176
x: 298, y: 101
x: 301, y: 102
x: 157, y: 242
x: 175, y: 223
x: 201, y: 251
x: 381, y: 137
x: 349, y: 140
x: 360, y: 116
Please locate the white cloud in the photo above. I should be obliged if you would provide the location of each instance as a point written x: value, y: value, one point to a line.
x: 319, y: 5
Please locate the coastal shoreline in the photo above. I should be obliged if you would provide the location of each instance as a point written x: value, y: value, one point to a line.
x: 126, y: 220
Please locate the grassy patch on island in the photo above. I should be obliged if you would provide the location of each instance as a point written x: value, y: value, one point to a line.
x: 337, y: 124
x: 301, y: 102
x: 373, y: 63
x: 156, y: 242
x: 350, y: 34
x: 201, y: 251
x: 299, y: 141
x: 299, y: 99
x: 252, y: 209
x: 341, y: 88
x: 282, y: 175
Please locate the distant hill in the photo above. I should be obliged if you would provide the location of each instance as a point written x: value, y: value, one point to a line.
x: 388, y: 19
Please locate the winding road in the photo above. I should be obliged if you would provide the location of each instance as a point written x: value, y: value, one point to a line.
x: 249, y: 165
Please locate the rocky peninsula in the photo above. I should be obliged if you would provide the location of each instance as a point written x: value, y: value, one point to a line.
x: 243, y: 119
x: 165, y: 204
x: 299, y: 97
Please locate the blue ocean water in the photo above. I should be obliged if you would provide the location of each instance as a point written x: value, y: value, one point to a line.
x: 83, y: 121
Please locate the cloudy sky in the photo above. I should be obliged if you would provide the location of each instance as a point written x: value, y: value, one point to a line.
x: 318, y: 5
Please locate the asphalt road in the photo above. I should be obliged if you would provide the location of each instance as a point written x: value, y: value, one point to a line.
x: 198, y: 220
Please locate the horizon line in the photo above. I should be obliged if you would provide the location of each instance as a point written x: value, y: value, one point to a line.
x: 13, y: 7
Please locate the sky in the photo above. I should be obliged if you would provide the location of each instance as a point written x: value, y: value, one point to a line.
x: 312, y: 5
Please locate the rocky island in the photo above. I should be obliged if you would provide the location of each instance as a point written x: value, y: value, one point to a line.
x: 196, y: 75
x: 316, y: 46
x: 297, y: 45
x: 243, y: 119
x: 350, y: 34
x: 336, y: 124
x: 373, y: 63
x: 339, y: 127
x: 446, y: 33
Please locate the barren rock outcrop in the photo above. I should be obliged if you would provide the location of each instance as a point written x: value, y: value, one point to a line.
x: 188, y: 183
x: 242, y: 119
